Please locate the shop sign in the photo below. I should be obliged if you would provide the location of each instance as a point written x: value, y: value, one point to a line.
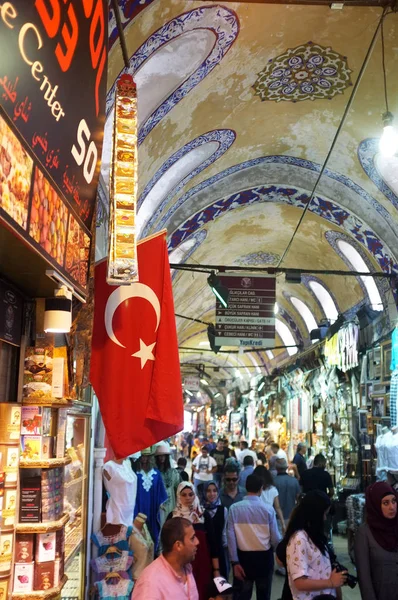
x: 249, y: 319
x: 52, y: 99
x: 11, y: 307
x: 191, y: 383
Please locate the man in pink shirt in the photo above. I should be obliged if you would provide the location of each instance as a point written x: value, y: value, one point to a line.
x: 170, y: 575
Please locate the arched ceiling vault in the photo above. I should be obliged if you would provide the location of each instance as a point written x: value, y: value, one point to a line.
x: 249, y: 97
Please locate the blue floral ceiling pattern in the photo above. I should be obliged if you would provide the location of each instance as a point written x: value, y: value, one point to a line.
x: 308, y: 72
x: 222, y: 21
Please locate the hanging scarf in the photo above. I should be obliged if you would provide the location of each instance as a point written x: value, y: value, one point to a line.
x: 194, y: 512
x: 384, y: 531
x: 211, y: 506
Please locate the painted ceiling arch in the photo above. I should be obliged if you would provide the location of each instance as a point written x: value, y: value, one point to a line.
x: 242, y: 208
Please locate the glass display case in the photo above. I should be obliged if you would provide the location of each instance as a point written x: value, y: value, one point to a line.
x: 75, y: 503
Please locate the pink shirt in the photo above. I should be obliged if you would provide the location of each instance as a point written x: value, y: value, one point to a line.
x: 159, y: 581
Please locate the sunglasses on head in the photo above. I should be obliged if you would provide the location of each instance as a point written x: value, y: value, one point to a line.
x: 231, y: 479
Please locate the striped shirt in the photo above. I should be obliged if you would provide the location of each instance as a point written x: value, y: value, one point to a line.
x: 251, y: 527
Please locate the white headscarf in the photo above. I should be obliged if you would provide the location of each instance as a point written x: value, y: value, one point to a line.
x: 193, y: 513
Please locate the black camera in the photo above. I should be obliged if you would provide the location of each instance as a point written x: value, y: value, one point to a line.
x: 351, y: 580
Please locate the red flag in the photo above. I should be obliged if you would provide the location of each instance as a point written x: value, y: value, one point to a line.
x: 135, y: 366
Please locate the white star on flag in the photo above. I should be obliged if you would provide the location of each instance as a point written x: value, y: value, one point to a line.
x: 145, y: 353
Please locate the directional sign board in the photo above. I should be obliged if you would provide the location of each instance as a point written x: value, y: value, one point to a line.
x: 249, y: 319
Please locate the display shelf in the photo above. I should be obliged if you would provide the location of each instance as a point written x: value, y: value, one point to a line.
x: 54, y: 403
x: 48, y: 463
x: 72, y: 554
x: 43, y: 595
x: 45, y: 527
x: 69, y: 484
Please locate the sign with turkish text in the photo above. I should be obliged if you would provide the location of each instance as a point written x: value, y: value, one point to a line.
x: 191, y: 383
x: 249, y: 319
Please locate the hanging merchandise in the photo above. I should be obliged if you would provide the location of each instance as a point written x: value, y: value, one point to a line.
x: 341, y: 350
x: 121, y: 484
x: 105, y: 564
x: 117, y: 541
x: 151, y: 493
x: 141, y: 545
x: 116, y: 587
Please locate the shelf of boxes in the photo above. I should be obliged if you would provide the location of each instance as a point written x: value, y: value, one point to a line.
x: 42, y: 527
x: 49, y: 463
x: 42, y: 594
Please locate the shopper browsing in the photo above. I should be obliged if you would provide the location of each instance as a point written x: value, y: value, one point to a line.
x: 317, y: 478
x: 203, y: 467
x: 220, y: 455
x: 248, y: 468
x: 231, y: 492
x: 206, y: 564
x: 308, y: 561
x: 299, y: 459
x: 376, y: 544
x: 252, y: 534
x: 244, y: 451
x: 170, y: 575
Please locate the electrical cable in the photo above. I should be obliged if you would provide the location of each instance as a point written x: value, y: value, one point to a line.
x: 274, y: 270
x: 192, y: 319
x: 335, y: 138
x: 122, y: 39
x: 383, y: 60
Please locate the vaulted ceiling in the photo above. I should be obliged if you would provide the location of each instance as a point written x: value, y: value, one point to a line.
x: 238, y: 105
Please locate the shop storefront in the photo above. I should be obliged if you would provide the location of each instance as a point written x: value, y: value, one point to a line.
x: 50, y: 144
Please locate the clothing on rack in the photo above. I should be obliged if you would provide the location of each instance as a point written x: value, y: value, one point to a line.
x: 121, y: 484
x: 119, y: 564
x: 394, y: 397
x: 120, y: 540
x: 121, y: 589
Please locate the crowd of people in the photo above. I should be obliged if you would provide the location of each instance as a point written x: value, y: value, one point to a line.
x: 241, y: 510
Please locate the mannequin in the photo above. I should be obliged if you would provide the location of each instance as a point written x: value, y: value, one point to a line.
x: 141, y: 544
x: 151, y: 493
x: 121, y: 484
x: 171, y: 479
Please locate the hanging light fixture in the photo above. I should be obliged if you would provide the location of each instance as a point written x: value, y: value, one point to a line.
x: 388, y: 144
x: 122, y: 258
x: 58, y: 311
x: 220, y: 291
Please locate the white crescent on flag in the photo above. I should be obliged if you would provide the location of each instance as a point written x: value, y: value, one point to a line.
x: 118, y: 296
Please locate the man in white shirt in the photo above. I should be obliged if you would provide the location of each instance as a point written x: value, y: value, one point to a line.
x: 170, y: 575
x: 203, y: 467
x: 244, y: 447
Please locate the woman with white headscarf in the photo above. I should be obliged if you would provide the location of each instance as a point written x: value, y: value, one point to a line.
x: 206, y: 564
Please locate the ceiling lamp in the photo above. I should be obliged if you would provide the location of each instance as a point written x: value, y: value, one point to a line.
x: 122, y: 259
x: 293, y: 277
x: 220, y: 291
x: 204, y: 381
x: 276, y: 308
x: 388, y: 144
x: 211, y: 334
x: 58, y: 311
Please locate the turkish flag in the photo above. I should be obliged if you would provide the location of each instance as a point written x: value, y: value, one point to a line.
x: 135, y: 366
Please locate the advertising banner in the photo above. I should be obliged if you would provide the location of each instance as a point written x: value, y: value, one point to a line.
x: 53, y: 63
x: 249, y: 319
x: 191, y: 383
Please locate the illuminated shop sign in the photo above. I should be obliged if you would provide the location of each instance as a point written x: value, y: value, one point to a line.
x: 53, y: 62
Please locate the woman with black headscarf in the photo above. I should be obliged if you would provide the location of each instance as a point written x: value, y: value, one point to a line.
x: 308, y: 562
x: 376, y: 544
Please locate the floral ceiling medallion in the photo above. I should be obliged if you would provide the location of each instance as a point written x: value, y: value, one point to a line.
x: 308, y: 72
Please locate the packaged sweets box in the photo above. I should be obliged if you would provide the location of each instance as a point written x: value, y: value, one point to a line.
x: 23, y: 577
x: 44, y: 576
x: 24, y: 545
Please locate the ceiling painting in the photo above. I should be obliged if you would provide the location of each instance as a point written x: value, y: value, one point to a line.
x: 234, y: 130
x: 307, y: 72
